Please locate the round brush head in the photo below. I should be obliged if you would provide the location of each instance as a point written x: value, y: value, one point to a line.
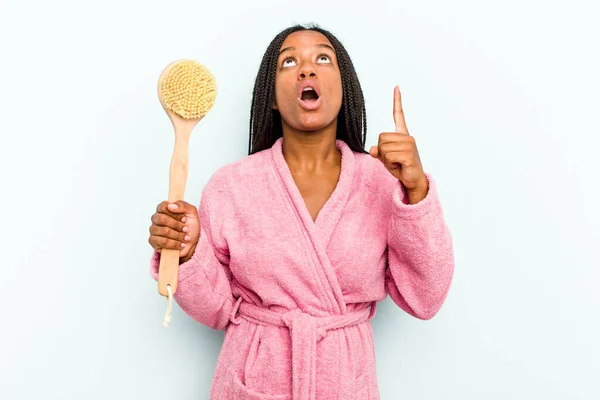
x: 187, y: 88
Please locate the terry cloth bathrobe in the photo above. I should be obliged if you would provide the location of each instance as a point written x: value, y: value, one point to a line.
x: 295, y: 296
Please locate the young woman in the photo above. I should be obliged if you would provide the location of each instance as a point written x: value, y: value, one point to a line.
x: 294, y: 244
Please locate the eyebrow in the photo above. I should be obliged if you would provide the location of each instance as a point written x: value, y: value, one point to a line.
x: 321, y: 45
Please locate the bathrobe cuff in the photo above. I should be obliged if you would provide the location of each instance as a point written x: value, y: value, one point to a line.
x: 403, y: 209
x: 186, y: 269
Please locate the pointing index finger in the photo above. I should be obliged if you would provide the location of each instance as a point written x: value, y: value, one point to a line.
x: 399, y: 113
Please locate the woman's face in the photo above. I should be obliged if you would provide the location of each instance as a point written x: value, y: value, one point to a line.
x: 308, y: 84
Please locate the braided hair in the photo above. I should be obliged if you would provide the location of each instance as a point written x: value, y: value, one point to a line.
x: 265, y: 122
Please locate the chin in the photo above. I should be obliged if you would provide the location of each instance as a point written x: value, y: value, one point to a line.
x: 312, y: 123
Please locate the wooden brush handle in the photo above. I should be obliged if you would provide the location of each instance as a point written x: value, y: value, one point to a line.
x: 169, y: 259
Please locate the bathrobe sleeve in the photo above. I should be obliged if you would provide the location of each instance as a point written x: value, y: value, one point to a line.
x: 420, y: 253
x: 204, y: 289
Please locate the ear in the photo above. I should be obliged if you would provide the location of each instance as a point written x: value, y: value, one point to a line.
x: 275, y: 105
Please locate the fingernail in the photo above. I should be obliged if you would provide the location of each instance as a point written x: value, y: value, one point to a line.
x: 183, y: 219
x: 173, y: 206
x: 187, y: 237
x: 185, y: 229
x: 182, y: 244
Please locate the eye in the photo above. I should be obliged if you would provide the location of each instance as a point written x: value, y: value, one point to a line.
x: 324, y: 58
x: 287, y: 64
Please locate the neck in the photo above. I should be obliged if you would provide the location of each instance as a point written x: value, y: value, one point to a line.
x: 311, y: 152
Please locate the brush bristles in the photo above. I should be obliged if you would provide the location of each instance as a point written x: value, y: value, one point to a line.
x: 188, y: 89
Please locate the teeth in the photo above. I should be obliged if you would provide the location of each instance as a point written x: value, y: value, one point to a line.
x: 307, y: 89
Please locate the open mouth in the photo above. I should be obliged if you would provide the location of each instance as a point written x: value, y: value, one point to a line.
x: 309, y: 95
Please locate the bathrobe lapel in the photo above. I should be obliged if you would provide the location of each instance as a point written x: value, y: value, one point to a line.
x: 320, y: 231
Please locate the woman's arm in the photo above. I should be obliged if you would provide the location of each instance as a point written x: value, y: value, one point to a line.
x: 420, y: 253
x: 203, y: 288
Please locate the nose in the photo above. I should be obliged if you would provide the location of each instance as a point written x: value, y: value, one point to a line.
x: 307, y: 70
x: 311, y: 74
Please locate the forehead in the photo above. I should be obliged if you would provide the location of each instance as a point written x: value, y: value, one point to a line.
x: 305, y: 39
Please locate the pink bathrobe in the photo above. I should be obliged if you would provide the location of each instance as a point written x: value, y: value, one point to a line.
x: 296, y: 296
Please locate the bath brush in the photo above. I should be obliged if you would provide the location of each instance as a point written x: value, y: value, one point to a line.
x: 187, y: 91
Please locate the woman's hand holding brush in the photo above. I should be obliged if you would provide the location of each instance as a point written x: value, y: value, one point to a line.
x: 175, y: 226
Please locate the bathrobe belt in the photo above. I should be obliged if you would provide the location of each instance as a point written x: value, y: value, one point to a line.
x: 305, y: 331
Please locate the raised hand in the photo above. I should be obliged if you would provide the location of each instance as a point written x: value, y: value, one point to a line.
x: 399, y: 154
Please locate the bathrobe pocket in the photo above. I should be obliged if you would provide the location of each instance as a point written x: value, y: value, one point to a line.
x: 362, y: 387
x: 236, y: 390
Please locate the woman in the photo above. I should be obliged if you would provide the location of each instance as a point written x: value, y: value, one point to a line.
x: 294, y: 244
